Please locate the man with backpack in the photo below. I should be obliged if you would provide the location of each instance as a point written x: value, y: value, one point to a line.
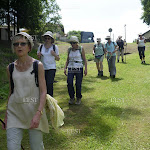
x: 48, y: 53
x: 111, y: 49
x: 120, y: 44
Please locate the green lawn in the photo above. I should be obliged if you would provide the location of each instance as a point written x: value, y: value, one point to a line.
x: 114, y: 114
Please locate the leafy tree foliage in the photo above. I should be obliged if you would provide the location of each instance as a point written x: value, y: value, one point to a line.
x: 34, y: 15
x: 146, y: 13
x: 75, y: 33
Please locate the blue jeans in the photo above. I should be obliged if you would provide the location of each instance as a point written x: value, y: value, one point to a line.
x: 78, y: 72
x: 111, y: 65
x: 49, y: 77
x: 15, y: 135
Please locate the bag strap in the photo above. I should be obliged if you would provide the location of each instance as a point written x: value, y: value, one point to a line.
x: 35, y: 71
x: 11, y: 69
x: 41, y: 47
x: 54, y: 47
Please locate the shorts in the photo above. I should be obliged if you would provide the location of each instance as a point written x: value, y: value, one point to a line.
x: 100, y: 59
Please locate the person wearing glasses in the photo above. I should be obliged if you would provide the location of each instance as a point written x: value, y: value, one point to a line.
x: 98, y: 51
x: 25, y: 107
x: 74, y: 63
x: 48, y: 53
x: 111, y: 48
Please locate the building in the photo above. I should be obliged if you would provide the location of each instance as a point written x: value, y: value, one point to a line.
x: 87, y: 37
x: 147, y: 36
x: 4, y: 32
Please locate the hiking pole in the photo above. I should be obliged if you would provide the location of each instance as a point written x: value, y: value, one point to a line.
x: 125, y: 52
x: 4, y: 127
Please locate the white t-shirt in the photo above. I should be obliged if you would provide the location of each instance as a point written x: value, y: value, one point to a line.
x: 141, y: 42
x: 48, y: 59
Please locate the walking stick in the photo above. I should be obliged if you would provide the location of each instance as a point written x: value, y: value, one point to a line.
x: 125, y: 52
x: 4, y: 127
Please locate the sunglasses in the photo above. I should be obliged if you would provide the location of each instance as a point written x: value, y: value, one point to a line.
x: 21, y: 44
x: 73, y: 42
x: 47, y: 38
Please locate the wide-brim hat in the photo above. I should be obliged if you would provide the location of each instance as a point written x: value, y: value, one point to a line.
x: 99, y: 39
x: 29, y: 37
x: 48, y: 33
x: 119, y: 36
x: 140, y: 34
x: 107, y: 38
x: 73, y: 39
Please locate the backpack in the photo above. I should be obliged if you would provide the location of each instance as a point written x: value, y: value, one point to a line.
x: 102, y: 46
x: 112, y: 42
x: 80, y: 50
x: 35, y: 71
x: 42, y: 46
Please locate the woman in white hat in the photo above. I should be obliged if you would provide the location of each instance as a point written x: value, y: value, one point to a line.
x: 48, y: 53
x: 98, y: 51
x: 74, y: 63
x: 25, y: 108
x: 141, y: 47
x: 111, y: 49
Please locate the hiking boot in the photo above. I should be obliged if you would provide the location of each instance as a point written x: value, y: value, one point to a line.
x: 71, y: 101
x: 78, y: 102
x: 101, y: 73
x: 112, y: 76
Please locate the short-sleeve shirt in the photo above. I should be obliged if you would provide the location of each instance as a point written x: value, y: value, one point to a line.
x: 141, y: 42
x: 99, y: 49
x: 110, y: 48
x: 48, y: 59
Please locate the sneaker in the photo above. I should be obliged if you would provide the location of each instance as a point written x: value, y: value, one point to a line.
x: 118, y: 61
x: 143, y: 62
x: 113, y: 76
x: 122, y: 60
x: 78, y: 102
x: 71, y: 101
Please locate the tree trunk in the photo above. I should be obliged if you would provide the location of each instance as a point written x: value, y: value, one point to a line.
x: 8, y: 20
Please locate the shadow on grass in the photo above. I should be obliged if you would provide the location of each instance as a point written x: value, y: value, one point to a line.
x: 99, y: 125
x: 145, y: 64
x: 103, y: 77
x: 116, y: 79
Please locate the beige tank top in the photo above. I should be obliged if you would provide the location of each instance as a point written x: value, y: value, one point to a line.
x: 24, y: 102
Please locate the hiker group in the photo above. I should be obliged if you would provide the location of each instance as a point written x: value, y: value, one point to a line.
x: 31, y: 80
x: 108, y: 50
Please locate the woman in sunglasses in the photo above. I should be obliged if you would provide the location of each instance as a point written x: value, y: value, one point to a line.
x: 25, y: 108
x: 98, y: 51
x: 48, y: 53
x: 74, y: 63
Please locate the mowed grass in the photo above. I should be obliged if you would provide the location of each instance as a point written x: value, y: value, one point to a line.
x: 114, y: 114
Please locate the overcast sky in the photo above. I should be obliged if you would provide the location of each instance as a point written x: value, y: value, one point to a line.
x: 98, y: 16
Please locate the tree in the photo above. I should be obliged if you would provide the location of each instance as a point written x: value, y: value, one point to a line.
x: 32, y: 15
x: 146, y: 13
x: 75, y: 33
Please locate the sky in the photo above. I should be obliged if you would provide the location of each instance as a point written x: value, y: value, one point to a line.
x: 98, y: 16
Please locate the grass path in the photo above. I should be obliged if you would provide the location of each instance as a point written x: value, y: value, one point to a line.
x: 114, y: 114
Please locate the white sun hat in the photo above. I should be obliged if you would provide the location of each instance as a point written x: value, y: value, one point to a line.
x: 73, y: 39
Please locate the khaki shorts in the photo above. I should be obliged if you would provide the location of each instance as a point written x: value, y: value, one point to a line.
x: 99, y: 59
